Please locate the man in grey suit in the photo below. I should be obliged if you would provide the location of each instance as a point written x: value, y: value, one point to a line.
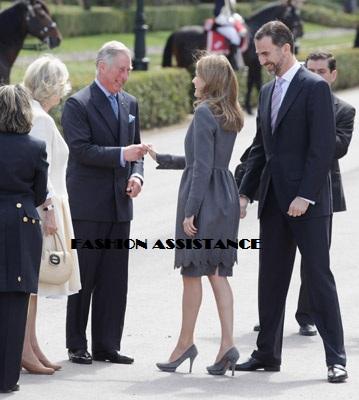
x: 290, y: 162
x: 324, y: 64
x: 105, y: 172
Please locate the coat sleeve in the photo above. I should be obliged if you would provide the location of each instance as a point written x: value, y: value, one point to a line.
x: 204, y: 128
x: 321, y: 141
x: 344, y: 122
x: 254, y: 163
x: 77, y: 133
x: 40, y: 177
x: 44, y: 128
x: 137, y: 166
x: 169, y: 161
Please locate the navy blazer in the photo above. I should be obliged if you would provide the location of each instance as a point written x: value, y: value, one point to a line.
x: 344, y: 121
x: 23, y: 181
x: 297, y: 155
x: 96, y: 182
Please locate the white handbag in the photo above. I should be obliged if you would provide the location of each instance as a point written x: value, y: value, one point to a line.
x: 56, y: 263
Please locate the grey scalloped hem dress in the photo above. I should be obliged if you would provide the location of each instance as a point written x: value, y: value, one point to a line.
x: 208, y: 191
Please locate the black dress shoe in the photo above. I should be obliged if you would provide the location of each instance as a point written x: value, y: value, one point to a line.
x: 307, y: 330
x: 253, y: 365
x: 112, y: 356
x: 257, y: 328
x: 15, y: 388
x: 80, y: 356
x: 337, y: 373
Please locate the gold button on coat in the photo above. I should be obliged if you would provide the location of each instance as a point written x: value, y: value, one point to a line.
x: 33, y: 221
x: 25, y: 219
x: 19, y: 278
x: 18, y: 205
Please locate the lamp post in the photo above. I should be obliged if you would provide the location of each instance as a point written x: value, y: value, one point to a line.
x: 140, y: 62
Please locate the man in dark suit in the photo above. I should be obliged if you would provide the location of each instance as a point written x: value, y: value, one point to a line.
x: 324, y: 64
x: 105, y: 171
x: 290, y: 160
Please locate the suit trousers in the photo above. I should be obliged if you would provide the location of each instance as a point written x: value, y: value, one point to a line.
x: 303, y: 313
x: 104, y: 276
x: 13, y: 315
x: 280, y: 236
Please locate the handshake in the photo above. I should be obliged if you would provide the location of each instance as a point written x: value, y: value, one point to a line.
x: 136, y: 151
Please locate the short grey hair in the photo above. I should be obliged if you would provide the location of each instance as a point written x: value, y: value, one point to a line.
x: 46, y: 77
x: 110, y: 50
x: 15, y: 109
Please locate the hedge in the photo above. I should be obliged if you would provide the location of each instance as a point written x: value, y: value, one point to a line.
x: 76, y: 22
x: 327, y: 16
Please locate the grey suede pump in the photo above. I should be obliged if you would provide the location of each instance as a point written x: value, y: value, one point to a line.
x: 190, y: 353
x: 227, y: 361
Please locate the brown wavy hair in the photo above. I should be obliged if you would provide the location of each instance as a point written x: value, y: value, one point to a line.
x: 220, y: 91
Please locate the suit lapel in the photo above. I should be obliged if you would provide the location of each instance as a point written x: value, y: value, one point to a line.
x: 293, y: 90
x: 267, y: 106
x: 124, y: 118
x: 103, y: 106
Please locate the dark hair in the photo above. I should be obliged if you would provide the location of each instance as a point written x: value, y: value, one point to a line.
x: 323, y: 55
x: 279, y: 33
x: 15, y: 109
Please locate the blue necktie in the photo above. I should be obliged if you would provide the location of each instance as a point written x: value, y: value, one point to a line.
x: 114, y: 104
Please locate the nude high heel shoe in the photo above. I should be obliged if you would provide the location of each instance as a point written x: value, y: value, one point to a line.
x: 227, y: 361
x: 37, y: 368
x: 190, y: 353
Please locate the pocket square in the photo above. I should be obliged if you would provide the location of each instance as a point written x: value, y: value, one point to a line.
x: 131, y: 118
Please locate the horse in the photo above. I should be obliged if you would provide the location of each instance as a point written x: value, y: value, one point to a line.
x: 24, y: 17
x: 186, y: 42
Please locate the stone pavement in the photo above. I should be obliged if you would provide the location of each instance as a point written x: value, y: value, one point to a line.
x: 153, y: 314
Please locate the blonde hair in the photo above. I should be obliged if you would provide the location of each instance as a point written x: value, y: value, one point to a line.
x: 46, y: 77
x: 220, y: 91
x: 15, y: 109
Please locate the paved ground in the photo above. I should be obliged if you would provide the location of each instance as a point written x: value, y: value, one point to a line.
x: 153, y: 314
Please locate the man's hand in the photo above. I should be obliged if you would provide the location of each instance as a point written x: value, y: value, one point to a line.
x: 133, y: 186
x: 243, y: 202
x: 298, y: 207
x: 188, y: 226
x: 134, y: 152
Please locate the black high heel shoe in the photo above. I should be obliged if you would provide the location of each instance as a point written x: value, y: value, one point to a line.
x: 227, y: 361
x: 190, y: 353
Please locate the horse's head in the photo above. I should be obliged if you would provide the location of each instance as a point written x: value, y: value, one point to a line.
x: 291, y: 17
x: 40, y: 24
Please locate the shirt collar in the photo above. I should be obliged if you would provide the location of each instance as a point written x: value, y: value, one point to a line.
x: 289, y: 75
x: 106, y: 92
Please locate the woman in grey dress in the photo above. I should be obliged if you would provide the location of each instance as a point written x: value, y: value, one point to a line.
x: 208, y: 207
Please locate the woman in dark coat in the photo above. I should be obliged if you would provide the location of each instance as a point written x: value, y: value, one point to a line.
x: 23, y: 181
x: 207, y: 207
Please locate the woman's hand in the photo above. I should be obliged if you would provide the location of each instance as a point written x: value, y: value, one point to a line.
x: 188, y: 226
x: 151, y: 151
x: 49, y: 223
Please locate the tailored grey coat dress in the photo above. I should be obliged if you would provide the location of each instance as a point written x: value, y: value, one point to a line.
x: 209, y: 192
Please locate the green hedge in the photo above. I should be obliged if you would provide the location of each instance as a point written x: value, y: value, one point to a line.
x: 326, y: 16
x: 163, y: 96
x: 73, y: 21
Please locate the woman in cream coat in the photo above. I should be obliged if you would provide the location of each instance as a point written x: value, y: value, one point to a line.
x: 47, y: 79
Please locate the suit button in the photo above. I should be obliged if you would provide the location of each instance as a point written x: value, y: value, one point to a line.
x: 18, y: 205
x: 25, y: 219
x: 33, y: 221
x: 19, y: 278
x: 40, y: 222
